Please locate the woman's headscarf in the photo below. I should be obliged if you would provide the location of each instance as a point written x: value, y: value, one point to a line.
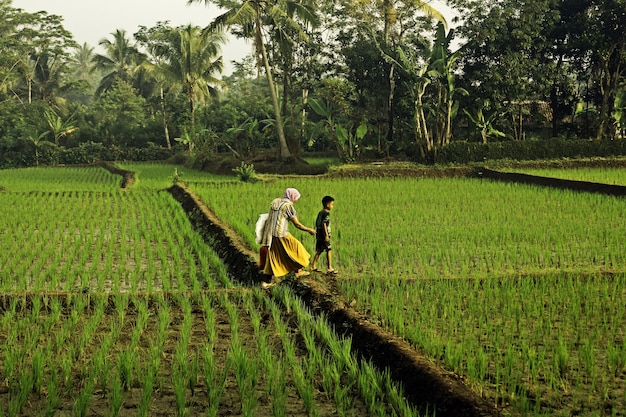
x: 292, y: 194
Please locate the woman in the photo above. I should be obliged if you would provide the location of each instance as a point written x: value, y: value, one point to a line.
x: 285, y: 253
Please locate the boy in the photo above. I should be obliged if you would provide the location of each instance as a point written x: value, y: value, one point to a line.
x: 322, y: 237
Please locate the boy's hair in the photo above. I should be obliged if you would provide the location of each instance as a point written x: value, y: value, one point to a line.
x: 327, y: 199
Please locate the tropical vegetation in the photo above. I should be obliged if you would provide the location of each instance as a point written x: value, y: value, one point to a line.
x: 354, y: 78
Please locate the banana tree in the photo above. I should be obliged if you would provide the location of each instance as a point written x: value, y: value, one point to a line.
x: 187, y: 140
x: 447, y: 106
x: 246, y: 136
x: 345, y: 139
x: 59, y: 128
x: 420, y: 76
x: 484, y: 123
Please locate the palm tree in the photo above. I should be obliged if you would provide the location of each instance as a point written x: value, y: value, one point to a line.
x: 120, y: 60
x: 188, y: 58
x: 50, y: 79
x: 393, y: 14
x: 252, y: 16
x: 84, y: 77
x: 82, y: 61
x: 287, y: 38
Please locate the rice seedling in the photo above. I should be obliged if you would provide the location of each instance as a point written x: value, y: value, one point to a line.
x: 278, y: 389
x: 616, y: 358
x: 561, y: 358
x: 19, y: 394
x: 117, y: 396
x: 52, y: 258
x: 148, y: 385
x: 55, y: 179
x: 157, y: 176
x: 125, y: 368
x: 101, y: 370
x: 81, y: 404
x: 215, y: 379
x: 53, y: 399
x: 246, y: 371
x: 342, y: 373
x: 37, y: 360
x: 180, y: 391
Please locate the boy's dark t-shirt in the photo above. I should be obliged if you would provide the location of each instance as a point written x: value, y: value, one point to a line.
x: 322, y: 217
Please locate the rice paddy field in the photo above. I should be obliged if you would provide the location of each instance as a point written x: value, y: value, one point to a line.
x: 520, y: 290
x: 111, y: 305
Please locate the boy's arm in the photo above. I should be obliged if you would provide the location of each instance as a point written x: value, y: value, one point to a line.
x: 326, y: 235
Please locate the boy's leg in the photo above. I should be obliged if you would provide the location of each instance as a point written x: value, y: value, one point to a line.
x: 329, y: 259
x: 315, y: 259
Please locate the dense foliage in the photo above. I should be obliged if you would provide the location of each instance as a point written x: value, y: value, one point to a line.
x: 383, y: 78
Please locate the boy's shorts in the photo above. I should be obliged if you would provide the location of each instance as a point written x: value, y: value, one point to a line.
x: 321, y: 246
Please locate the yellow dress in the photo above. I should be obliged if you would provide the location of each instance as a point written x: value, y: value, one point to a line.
x: 286, y: 253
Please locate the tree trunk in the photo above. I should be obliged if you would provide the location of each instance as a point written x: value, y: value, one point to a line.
x: 448, y: 134
x: 390, y: 112
x: 165, y: 127
x: 608, y: 87
x: 421, y: 129
x: 282, y: 141
x: 517, y: 122
x: 286, y: 110
x: 305, y: 101
x: 418, y: 131
x: 440, y: 117
x: 192, y: 107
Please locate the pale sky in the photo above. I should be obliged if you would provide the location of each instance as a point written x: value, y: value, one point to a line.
x: 92, y: 20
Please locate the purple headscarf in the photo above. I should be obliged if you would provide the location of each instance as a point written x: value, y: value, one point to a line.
x: 292, y: 194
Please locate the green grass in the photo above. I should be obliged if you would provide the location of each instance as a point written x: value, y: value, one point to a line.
x: 520, y: 289
x: 329, y: 161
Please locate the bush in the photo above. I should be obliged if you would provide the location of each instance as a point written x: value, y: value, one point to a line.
x: 85, y: 153
x: 245, y: 172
